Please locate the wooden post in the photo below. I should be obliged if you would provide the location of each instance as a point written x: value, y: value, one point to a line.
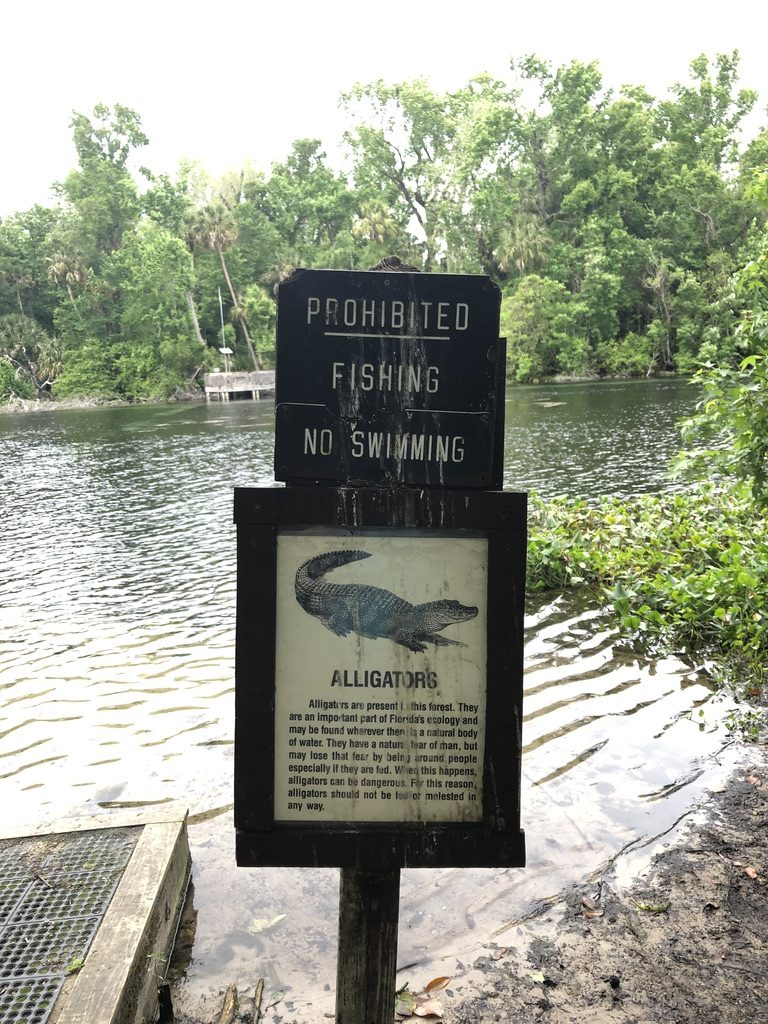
x: 367, y: 959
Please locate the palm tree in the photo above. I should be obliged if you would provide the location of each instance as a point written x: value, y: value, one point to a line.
x: 213, y: 227
x: 67, y: 269
x: 522, y: 245
x: 25, y: 344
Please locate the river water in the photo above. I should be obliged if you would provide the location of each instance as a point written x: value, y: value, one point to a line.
x: 117, y: 661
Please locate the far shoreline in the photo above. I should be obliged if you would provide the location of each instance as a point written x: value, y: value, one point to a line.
x: 40, y: 405
x: 20, y: 406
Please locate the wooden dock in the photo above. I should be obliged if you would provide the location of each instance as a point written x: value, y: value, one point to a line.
x: 227, y: 386
x: 88, y: 916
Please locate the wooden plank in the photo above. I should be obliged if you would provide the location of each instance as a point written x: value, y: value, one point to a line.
x: 381, y: 848
x: 377, y: 506
x: 128, y: 958
x: 173, y: 810
x: 367, y: 960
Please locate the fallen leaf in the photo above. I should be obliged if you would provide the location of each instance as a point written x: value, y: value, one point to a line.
x: 752, y: 872
x: 654, y: 908
x: 260, y: 924
x: 274, y: 999
x: 538, y: 977
x: 405, y: 1002
x: 437, y: 984
x: 432, y: 1008
x: 590, y: 906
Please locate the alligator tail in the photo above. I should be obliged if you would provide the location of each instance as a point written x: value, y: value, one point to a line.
x: 321, y: 564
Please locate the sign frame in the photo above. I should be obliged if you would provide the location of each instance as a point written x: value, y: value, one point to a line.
x: 261, y: 841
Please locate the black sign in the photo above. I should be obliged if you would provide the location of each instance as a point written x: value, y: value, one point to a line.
x: 379, y: 672
x: 389, y: 378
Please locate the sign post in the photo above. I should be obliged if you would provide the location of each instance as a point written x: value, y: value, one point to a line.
x: 380, y: 614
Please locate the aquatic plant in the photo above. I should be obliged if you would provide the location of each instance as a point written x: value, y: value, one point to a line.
x: 683, y: 571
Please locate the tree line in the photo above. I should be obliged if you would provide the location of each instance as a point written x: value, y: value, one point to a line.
x: 614, y: 223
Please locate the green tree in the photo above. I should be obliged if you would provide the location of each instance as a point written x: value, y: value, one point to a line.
x: 13, y: 382
x: 90, y: 370
x: 402, y: 146
x: 702, y: 120
x: 261, y: 310
x: 67, y: 269
x: 537, y: 322
x: 24, y: 284
x: 309, y: 207
x: 731, y: 422
x: 160, y: 351
x: 102, y: 193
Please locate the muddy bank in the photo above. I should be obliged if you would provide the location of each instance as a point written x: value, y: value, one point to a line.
x: 687, y: 940
x: 34, y: 405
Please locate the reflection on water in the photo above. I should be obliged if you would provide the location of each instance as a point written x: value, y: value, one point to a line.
x: 117, y: 650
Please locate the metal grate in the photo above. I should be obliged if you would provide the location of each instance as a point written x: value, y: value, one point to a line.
x: 68, y: 897
x: 40, y: 949
x: 28, y: 1001
x: 54, y: 891
x: 11, y: 891
x: 10, y: 865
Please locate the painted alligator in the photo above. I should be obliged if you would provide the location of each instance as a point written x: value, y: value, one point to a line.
x: 372, y: 611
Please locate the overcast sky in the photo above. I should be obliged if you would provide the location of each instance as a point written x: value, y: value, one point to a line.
x: 227, y: 82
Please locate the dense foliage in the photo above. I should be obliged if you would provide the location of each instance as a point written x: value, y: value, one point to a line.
x: 688, y: 571
x: 730, y: 427
x: 613, y: 222
x: 683, y: 571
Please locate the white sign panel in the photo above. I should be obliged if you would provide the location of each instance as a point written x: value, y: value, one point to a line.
x: 380, y: 676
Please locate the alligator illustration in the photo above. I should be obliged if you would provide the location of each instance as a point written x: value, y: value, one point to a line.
x: 372, y: 611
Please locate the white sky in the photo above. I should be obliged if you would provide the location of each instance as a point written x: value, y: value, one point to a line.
x: 236, y: 80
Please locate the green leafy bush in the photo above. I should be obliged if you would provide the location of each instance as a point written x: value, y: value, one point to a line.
x: 730, y: 426
x: 89, y: 370
x: 686, y: 572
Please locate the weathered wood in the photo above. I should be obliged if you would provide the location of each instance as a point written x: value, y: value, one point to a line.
x: 127, y: 961
x: 229, y: 1007
x: 172, y: 811
x: 257, y: 996
x: 367, y: 957
x: 222, y: 385
x: 376, y: 506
